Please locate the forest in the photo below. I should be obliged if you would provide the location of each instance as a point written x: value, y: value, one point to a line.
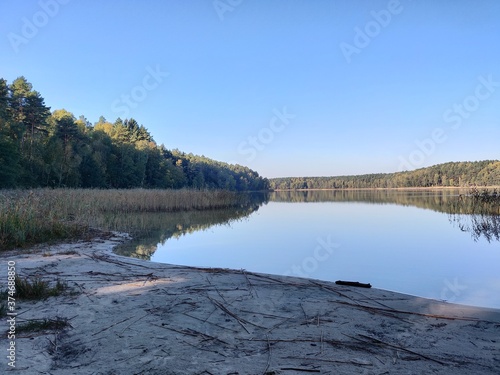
x: 44, y: 148
x: 453, y: 174
x: 40, y: 148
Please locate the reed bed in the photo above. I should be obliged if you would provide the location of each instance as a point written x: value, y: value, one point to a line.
x: 477, y: 202
x: 33, y: 216
x: 478, y: 213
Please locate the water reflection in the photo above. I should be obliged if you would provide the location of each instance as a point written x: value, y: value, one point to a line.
x: 480, y: 218
x: 478, y: 226
x: 478, y: 214
x: 149, y: 230
x: 396, y: 240
x: 436, y: 200
x: 470, y: 211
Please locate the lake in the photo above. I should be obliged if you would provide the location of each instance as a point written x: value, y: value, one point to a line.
x: 424, y: 243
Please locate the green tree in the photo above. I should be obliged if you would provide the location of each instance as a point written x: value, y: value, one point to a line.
x: 65, y: 159
x: 28, y: 126
x: 4, y: 101
x: 9, y: 159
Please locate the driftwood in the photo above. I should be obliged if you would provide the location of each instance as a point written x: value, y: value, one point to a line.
x: 380, y: 342
x: 353, y: 283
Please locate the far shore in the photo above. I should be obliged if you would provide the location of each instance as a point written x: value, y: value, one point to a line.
x: 130, y: 316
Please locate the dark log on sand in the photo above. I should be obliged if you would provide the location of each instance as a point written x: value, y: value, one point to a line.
x: 353, y: 283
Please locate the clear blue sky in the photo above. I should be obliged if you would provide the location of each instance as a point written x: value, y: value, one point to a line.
x: 364, y: 80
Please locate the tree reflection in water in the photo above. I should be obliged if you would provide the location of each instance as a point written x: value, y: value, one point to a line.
x: 472, y: 211
x: 477, y: 213
x: 150, y: 229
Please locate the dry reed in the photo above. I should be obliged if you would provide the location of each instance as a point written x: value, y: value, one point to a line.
x: 33, y: 216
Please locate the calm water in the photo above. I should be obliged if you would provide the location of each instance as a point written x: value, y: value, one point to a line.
x: 411, y: 242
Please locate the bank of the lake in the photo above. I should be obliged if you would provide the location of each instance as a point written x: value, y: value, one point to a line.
x: 131, y: 316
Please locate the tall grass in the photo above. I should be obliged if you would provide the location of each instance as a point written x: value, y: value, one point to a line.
x: 32, y: 217
x: 40, y: 215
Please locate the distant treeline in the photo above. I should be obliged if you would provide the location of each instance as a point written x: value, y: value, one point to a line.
x: 40, y: 148
x: 459, y: 174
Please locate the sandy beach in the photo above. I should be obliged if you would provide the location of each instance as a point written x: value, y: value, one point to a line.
x: 128, y: 316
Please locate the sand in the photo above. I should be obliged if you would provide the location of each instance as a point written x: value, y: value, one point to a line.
x: 129, y: 316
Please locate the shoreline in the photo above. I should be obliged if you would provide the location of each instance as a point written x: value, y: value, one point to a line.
x: 131, y: 316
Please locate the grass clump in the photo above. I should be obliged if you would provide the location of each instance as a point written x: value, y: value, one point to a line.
x: 37, y: 325
x: 37, y: 289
